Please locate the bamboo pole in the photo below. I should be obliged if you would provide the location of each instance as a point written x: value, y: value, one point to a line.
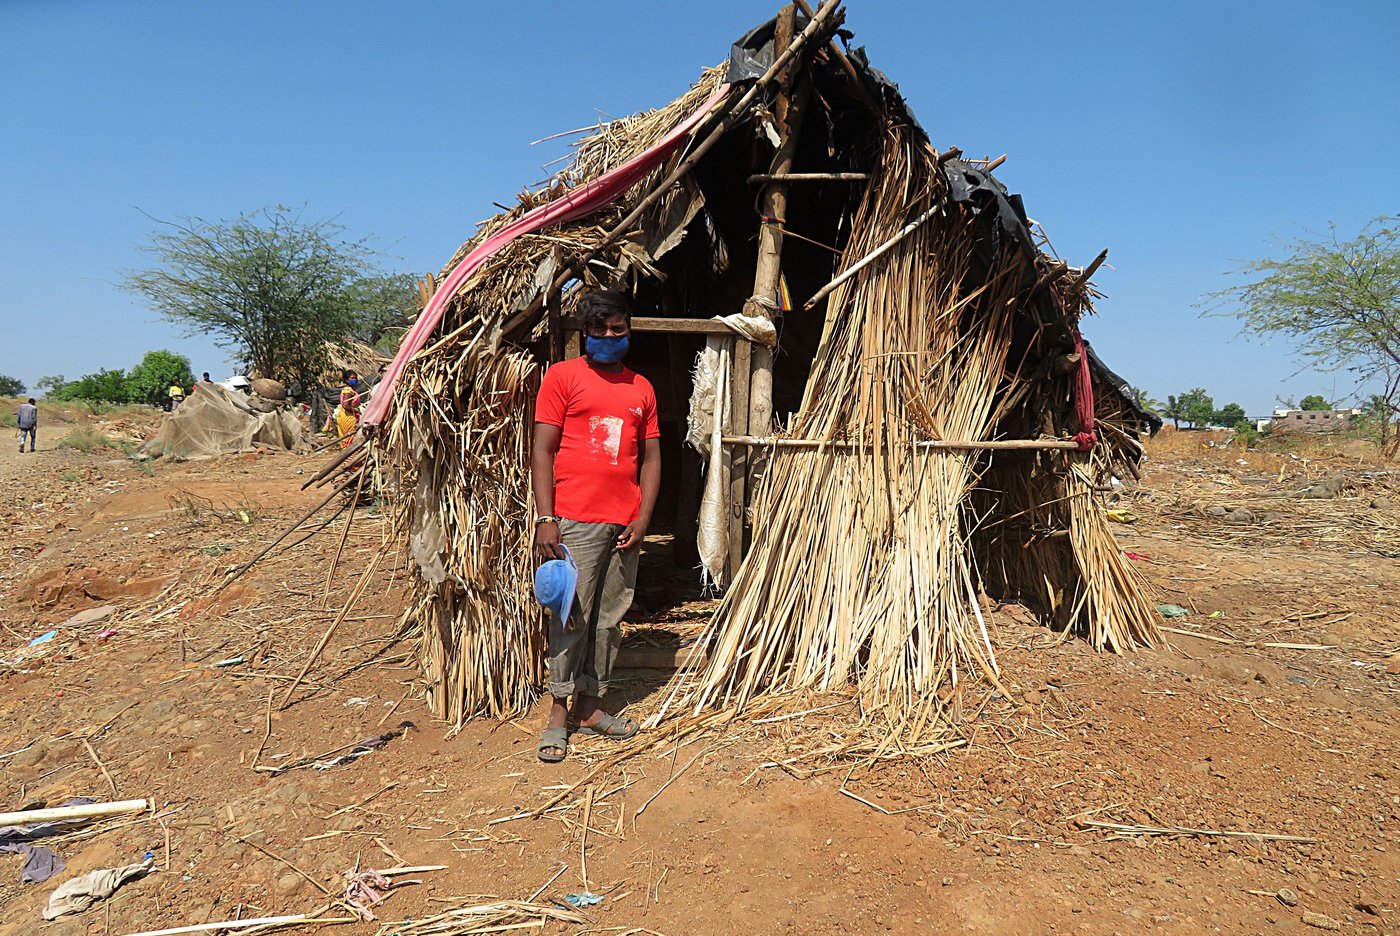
x: 936, y: 444
x: 865, y: 261
x: 334, y: 463
x: 738, y: 458
x: 845, y: 62
x: 65, y: 813
x: 808, y: 177
x: 227, y: 925
x: 231, y: 577
x: 326, y: 637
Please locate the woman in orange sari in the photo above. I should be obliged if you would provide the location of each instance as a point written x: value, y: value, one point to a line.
x: 346, y: 418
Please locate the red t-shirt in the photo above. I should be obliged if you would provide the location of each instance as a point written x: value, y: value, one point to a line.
x: 606, y: 418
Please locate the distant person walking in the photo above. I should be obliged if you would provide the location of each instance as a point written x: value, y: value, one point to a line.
x: 28, y: 417
x: 177, y: 396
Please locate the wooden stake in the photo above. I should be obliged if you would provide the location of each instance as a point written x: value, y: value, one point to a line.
x: 344, y: 535
x: 738, y: 459
x: 228, y: 925
x: 101, y: 766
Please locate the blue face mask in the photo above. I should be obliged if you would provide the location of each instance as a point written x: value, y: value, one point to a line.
x: 353, y: 382
x: 608, y: 350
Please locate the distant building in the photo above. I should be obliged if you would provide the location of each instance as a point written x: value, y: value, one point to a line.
x: 1291, y: 420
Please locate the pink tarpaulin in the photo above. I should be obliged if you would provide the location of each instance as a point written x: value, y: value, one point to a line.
x: 580, y: 201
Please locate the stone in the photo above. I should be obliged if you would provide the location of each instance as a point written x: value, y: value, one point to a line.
x: 31, y: 756
x: 1216, y: 511
x: 1320, y: 920
x: 1240, y: 515
x: 289, y: 883
x: 90, y: 616
x: 1325, y: 488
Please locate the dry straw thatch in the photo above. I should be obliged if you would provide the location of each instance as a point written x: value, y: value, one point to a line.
x: 870, y: 551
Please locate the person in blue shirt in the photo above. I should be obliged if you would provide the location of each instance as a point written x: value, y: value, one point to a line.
x: 28, y: 417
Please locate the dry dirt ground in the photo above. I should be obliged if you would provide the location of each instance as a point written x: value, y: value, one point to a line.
x: 1278, y: 720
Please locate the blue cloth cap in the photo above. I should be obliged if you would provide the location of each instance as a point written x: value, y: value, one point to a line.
x: 555, y: 584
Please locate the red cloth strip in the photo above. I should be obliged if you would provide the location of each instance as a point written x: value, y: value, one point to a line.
x: 1083, y: 396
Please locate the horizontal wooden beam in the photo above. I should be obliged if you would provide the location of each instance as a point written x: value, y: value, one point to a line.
x: 943, y: 444
x: 808, y: 177
x: 685, y: 326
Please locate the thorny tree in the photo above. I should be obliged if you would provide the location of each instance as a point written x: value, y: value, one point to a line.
x: 267, y: 285
x: 1339, y: 300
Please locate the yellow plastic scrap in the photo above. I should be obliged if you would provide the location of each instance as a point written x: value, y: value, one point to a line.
x: 1119, y: 515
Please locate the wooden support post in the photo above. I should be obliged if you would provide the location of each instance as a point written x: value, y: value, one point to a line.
x: 738, y: 456
x: 788, y: 113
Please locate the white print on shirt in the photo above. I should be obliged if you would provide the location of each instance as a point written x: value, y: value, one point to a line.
x: 605, y: 435
x: 635, y: 411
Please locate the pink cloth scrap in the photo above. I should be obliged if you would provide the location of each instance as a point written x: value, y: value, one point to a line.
x: 578, y: 202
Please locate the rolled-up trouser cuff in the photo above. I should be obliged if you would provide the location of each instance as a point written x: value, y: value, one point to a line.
x: 581, y: 658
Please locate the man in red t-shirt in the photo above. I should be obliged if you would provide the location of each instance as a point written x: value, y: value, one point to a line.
x: 595, y: 469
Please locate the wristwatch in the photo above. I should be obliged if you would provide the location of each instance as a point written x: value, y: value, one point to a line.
x: 539, y: 520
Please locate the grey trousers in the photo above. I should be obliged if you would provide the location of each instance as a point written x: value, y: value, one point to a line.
x: 581, y: 656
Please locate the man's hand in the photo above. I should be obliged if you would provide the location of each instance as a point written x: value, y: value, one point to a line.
x: 548, y: 545
x: 633, y: 533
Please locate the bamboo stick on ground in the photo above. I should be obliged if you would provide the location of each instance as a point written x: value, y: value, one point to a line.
x: 67, y: 813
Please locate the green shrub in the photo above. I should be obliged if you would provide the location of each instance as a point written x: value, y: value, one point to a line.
x: 87, y: 439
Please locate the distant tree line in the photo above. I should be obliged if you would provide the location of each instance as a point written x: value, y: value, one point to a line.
x: 1195, y: 409
x: 148, y: 382
x: 1338, y: 301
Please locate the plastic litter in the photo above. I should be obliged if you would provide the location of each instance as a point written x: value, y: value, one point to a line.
x: 586, y: 899
x: 365, y: 889
x: 1172, y: 611
x: 43, y: 638
x: 231, y: 661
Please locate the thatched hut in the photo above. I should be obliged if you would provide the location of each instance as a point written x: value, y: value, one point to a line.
x: 895, y: 415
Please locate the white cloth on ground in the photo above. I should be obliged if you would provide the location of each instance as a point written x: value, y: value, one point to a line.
x: 79, y: 893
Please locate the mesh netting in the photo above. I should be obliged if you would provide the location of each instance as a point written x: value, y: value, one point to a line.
x: 215, y: 421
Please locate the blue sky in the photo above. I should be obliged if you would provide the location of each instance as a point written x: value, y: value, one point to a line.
x: 1184, y: 137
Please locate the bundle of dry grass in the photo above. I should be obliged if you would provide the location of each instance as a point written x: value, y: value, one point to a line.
x: 861, y: 569
x: 494, y: 917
